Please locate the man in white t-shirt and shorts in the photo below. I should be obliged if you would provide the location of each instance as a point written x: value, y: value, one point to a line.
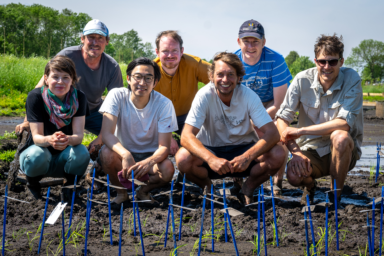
x: 137, y: 127
x: 218, y: 138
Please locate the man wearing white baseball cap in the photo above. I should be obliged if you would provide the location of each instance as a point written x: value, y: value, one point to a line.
x: 97, y: 71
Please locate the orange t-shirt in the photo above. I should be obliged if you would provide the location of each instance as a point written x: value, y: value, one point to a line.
x: 183, y: 85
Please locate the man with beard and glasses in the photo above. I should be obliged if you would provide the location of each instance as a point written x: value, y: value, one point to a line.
x: 266, y: 73
x: 97, y: 71
x: 180, y: 75
x: 218, y: 138
x: 330, y: 129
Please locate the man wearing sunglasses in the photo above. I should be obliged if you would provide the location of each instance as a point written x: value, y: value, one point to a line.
x: 137, y: 127
x: 327, y: 140
x: 266, y: 73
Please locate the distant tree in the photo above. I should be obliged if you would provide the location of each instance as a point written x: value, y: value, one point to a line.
x: 300, y: 64
x: 368, y: 57
x: 291, y: 57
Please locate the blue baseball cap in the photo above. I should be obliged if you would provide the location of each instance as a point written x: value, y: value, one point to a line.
x: 251, y: 28
x: 96, y: 27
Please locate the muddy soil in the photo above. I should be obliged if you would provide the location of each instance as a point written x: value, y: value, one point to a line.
x: 24, y: 219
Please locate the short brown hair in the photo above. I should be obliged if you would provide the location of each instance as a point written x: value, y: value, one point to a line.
x: 230, y: 59
x: 171, y: 33
x: 330, y: 45
x: 63, y: 64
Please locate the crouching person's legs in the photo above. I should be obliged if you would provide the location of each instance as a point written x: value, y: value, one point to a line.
x: 111, y: 164
x: 344, y: 157
x: 192, y: 167
x: 35, y: 162
x: 266, y: 165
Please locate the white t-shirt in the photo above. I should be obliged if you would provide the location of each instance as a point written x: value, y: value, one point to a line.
x: 138, y: 129
x: 221, y: 125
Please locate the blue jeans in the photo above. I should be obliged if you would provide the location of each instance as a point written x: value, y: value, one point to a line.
x: 93, y: 122
x: 36, y: 161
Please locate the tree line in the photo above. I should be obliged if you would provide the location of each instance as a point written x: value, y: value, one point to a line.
x: 37, y: 30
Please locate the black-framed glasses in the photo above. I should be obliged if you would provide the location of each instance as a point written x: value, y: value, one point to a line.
x: 147, y: 78
x: 331, y: 63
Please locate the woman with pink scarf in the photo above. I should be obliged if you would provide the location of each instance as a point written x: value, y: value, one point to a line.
x: 56, y: 113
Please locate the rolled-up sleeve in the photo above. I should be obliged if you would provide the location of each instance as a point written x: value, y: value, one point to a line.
x: 352, y: 104
x: 291, y: 102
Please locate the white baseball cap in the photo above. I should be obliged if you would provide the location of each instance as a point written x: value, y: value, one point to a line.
x: 96, y: 27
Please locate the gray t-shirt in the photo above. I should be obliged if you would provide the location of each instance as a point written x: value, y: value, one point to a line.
x: 94, y: 82
x: 138, y: 129
x: 221, y: 125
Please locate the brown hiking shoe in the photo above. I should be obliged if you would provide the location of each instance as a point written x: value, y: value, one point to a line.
x: 310, y: 193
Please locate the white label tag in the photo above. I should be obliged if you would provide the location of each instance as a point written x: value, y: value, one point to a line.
x: 56, y: 213
x: 227, y: 192
x: 232, y: 212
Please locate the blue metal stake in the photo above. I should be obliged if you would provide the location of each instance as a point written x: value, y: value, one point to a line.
x: 336, y: 217
x: 377, y: 164
x: 258, y: 224
x: 326, y: 224
x: 181, y: 209
x: 225, y: 219
x: 173, y: 226
x: 62, y: 224
x: 89, y: 208
x: 109, y: 210
x: 133, y: 205
x: 121, y: 227
x: 141, y: 233
x: 212, y: 220
x: 42, y: 224
x: 87, y: 218
x: 274, y: 212
x: 5, y: 218
x: 73, y: 202
x: 306, y: 231
x: 381, y: 219
x: 369, y: 236
x: 229, y: 221
x: 373, y: 225
x: 169, y: 212
x: 202, y: 221
x: 310, y: 222
x: 264, y: 229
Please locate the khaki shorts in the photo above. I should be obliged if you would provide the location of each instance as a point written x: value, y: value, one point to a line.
x: 321, y: 165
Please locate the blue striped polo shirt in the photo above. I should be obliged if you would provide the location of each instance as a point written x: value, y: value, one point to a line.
x: 271, y: 71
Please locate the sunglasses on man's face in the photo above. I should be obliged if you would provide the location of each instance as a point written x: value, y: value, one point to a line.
x: 331, y: 63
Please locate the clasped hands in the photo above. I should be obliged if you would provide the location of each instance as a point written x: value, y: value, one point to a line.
x: 223, y: 166
x: 58, y: 140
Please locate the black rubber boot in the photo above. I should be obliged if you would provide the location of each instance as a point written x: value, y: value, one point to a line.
x: 33, y: 186
x: 67, y: 192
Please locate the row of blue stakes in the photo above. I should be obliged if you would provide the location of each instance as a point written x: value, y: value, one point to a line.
x: 378, y: 148
x: 226, y: 218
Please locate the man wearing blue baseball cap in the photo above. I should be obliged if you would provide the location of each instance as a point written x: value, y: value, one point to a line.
x: 97, y: 71
x: 266, y: 73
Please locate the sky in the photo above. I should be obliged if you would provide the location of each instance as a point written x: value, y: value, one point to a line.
x: 211, y: 26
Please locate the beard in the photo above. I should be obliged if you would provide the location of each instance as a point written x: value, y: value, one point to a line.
x: 169, y: 65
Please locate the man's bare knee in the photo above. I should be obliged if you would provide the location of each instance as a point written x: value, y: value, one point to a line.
x: 184, y: 160
x: 167, y: 170
x: 275, y: 157
x: 108, y: 157
x: 341, y: 141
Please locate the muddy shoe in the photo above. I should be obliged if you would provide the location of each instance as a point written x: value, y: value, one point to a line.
x: 33, y: 187
x: 332, y: 200
x: 310, y: 193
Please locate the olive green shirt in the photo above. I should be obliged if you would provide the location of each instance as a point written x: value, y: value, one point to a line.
x: 343, y: 100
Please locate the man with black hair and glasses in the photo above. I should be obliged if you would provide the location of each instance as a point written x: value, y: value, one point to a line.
x: 137, y: 127
x: 329, y: 134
